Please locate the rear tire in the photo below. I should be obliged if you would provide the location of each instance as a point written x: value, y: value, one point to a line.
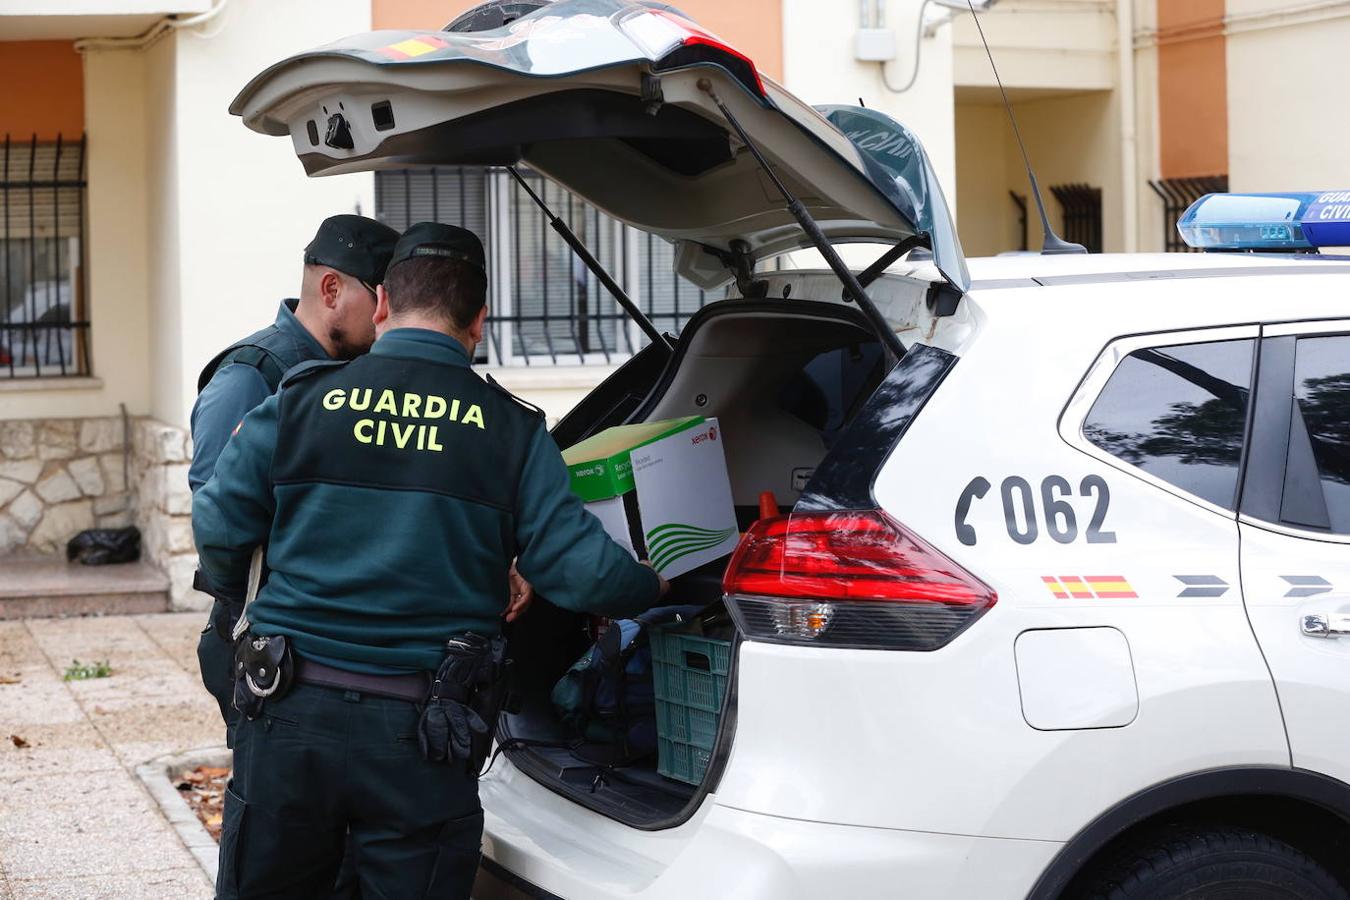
x: 1215, y: 864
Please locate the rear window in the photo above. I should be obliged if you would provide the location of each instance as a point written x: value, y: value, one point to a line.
x: 1322, y: 391
x: 1179, y: 413
x: 831, y: 387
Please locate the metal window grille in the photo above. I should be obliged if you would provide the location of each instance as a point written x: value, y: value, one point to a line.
x: 1082, y: 208
x: 545, y: 306
x: 1176, y: 195
x: 44, y: 326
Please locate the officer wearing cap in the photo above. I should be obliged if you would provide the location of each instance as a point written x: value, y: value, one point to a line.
x: 332, y: 319
x: 391, y: 493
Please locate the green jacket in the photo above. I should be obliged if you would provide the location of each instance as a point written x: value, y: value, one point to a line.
x: 392, y: 493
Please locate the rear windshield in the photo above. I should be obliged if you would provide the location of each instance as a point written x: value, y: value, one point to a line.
x: 829, y: 389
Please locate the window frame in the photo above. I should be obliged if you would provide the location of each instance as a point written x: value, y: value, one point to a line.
x: 1264, y: 482
x: 1075, y: 413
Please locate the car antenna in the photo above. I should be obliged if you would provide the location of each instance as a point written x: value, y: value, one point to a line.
x: 1050, y: 242
x: 853, y: 290
x: 593, y: 264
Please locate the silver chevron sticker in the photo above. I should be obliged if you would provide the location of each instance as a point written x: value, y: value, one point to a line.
x: 1202, y: 585
x: 1306, y: 585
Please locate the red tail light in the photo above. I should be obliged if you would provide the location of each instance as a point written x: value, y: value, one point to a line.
x: 675, y: 41
x: 849, y: 579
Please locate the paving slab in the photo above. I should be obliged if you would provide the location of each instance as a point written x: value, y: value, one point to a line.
x: 55, y: 748
x: 76, y: 819
x: 117, y: 639
x: 74, y: 840
x: 112, y: 786
x: 17, y: 647
x: 172, y: 884
x: 177, y: 634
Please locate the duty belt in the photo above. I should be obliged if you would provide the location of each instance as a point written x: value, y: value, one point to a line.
x: 411, y: 687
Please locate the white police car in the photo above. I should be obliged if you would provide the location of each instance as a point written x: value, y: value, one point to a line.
x: 1061, y: 605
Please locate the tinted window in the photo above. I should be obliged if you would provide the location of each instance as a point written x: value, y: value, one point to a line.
x: 1322, y: 389
x: 1179, y: 413
x: 830, y: 388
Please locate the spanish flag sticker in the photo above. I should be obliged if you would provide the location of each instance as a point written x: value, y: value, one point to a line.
x: 1089, y: 587
x: 413, y: 47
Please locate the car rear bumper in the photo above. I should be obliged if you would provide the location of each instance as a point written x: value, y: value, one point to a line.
x: 537, y: 844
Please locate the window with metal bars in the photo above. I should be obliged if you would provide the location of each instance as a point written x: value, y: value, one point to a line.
x: 545, y: 306
x: 1081, y: 205
x: 44, y: 323
x: 1177, y: 194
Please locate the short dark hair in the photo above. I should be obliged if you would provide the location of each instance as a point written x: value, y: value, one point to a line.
x: 451, y: 288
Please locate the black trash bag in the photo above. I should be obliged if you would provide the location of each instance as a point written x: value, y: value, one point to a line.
x: 105, y: 546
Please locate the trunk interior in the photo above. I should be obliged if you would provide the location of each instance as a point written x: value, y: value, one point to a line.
x: 783, y: 379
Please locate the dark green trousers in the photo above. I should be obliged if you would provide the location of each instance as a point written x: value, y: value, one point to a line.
x: 215, y: 658
x: 323, y: 762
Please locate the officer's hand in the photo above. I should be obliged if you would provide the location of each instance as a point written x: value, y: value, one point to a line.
x: 522, y: 592
x: 665, y: 585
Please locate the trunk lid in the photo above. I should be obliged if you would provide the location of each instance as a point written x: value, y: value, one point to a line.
x: 603, y: 96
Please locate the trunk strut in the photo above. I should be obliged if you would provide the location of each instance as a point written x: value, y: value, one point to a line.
x: 852, y: 288
x: 593, y: 264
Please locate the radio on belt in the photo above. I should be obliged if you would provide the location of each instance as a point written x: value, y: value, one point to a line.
x: 660, y: 489
x: 1300, y: 221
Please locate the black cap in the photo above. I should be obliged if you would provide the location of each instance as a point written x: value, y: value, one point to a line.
x: 444, y: 241
x: 356, y: 245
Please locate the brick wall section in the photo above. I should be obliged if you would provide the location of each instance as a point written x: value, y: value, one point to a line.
x: 61, y: 476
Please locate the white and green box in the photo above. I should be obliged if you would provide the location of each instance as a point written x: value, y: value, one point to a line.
x: 660, y: 489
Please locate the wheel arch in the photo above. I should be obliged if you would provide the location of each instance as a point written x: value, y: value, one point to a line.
x: 1266, y: 794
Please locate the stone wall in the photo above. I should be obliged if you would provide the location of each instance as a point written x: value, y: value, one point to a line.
x: 61, y: 476
x: 161, y: 455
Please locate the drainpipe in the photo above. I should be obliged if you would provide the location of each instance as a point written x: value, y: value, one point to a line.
x: 151, y: 34
x: 1129, y: 141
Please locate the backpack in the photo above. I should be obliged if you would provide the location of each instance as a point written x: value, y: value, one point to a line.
x: 607, y: 696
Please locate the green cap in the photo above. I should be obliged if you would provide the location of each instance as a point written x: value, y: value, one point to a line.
x: 356, y: 245
x: 444, y: 241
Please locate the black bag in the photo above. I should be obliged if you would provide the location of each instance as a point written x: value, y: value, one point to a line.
x: 104, y: 546
x: 606, y: 699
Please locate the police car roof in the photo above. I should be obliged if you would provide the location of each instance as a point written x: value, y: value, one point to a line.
x: 1031, y: 270
x: 1104, y: 294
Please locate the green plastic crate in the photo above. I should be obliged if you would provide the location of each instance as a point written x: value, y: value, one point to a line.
x: 689, y: 676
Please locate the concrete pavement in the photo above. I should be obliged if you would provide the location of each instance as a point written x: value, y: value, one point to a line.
x: 75, y: 821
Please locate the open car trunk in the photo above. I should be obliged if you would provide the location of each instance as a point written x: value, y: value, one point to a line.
x: 783, y: 378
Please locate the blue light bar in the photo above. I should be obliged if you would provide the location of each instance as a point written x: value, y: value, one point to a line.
x: 1297, y: 221
x: 1326, y: 221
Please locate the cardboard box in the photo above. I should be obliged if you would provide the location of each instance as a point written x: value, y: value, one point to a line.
x: 660, y: 489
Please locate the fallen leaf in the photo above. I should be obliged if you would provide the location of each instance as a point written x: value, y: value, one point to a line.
x: 18, y: 741
x: 16, y: 678
x: 212, y: 820
x: 209, y: 772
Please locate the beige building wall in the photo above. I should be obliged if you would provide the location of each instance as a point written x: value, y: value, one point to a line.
x: 1288, y: 66
x: 820, y: 67
x: 1148, y: 231
x: 120, y: 339
x: 1059, y: 63
x: 161, y: 262
x: 238, y: 209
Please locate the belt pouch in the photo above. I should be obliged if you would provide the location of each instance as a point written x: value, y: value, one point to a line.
x: 263, y: 671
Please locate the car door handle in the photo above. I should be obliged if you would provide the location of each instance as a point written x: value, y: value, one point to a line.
x: 1323, y: 626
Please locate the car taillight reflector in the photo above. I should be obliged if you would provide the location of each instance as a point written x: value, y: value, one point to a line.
x: 852, y: 579
x: 674, y: 41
